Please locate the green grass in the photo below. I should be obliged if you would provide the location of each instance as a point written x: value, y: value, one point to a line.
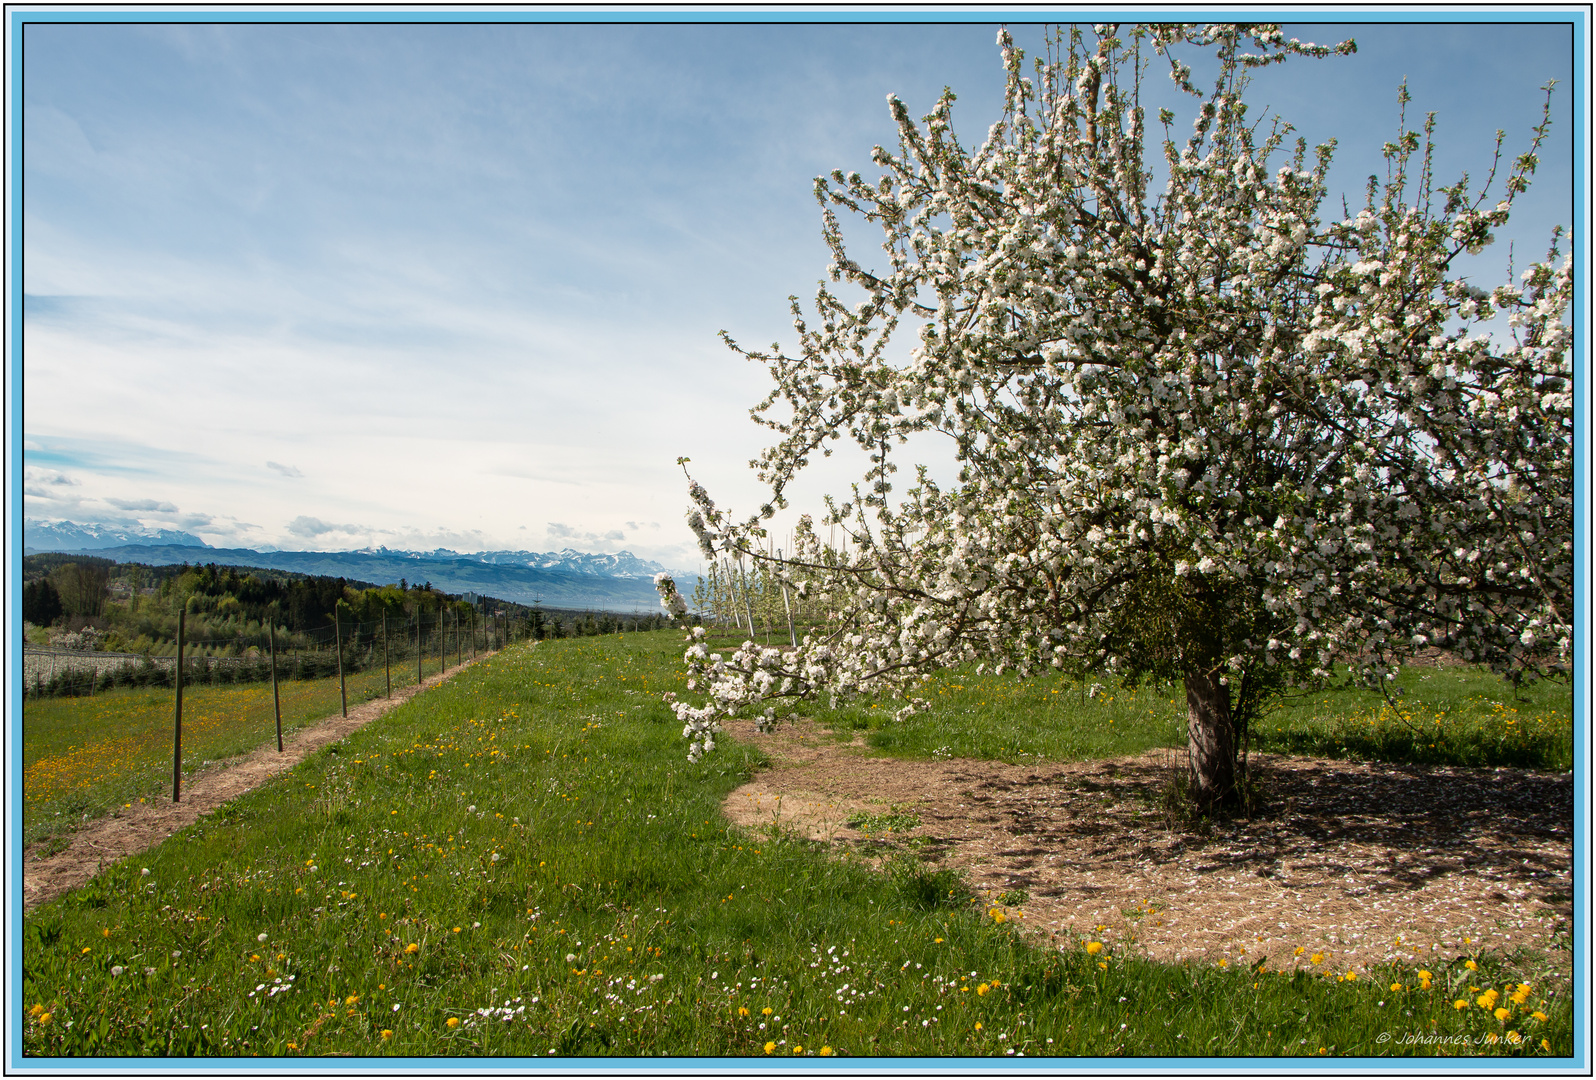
x: 522, y: 862
x: 1438, y: 716
x: 1443, y: 716
x: 83, y: 757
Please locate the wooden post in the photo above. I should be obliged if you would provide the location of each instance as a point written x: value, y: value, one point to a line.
x: 177, y: 724
x: 748, y: 600
x: 418, y: 646
x: 277, y: 706
x: 338, y: 647
x: 791, y: 632
x: 387, y: 672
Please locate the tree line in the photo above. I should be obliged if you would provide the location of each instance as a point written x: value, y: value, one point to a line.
x: 131, y: 607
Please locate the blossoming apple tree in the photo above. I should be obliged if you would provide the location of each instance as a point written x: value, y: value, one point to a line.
x: 1204, y: 433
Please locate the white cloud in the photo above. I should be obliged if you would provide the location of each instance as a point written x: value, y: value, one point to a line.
x: 143, y: 504
x: 286, y: 470
x: 309, y: 526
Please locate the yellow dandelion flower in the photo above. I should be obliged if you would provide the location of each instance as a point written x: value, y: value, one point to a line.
x: 1093, y: 948
x: 797, y: 1049
x: 1471, y: 965
x: 1425, y: 975
x: 978, y: 1025
x: 452, y: 1022
x: 765, y: 1011
x: 1317, y: 958
x: 1502, y: 1015
x: 770, y: 1047
x: 825, y: 1051
x: 983, y: 989
x: 351, y: 999
x: 387, y: 1033
x: 1546, y: 1045
x: 1396, y: 987
x: 1537, y: 1014
x: 412, y: 948
x: 1460, y: 1004
x: 742, y: 1010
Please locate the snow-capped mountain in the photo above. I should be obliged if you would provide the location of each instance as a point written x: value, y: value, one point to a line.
x: 72, y: 536
x: 621, y: 564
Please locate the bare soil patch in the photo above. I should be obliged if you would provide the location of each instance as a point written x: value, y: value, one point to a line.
x: 1359, y: 863
x: 100, y: 843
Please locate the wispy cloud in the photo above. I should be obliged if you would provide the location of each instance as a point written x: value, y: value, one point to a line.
x: 309, y: 527
x: 143, y: 504
x: 474, y: 274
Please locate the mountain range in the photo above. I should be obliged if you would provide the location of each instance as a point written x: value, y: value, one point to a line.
x: 565, y: 579
x: 40, y: 536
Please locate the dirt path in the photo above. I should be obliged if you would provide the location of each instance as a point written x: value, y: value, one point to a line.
x: 128, y: 831
x: 1358, y: 863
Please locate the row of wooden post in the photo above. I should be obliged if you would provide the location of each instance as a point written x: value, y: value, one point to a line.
x: 792, y: 631
x: 343, y: 695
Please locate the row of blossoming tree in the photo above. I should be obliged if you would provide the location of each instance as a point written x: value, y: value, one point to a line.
x: 1204, y: 435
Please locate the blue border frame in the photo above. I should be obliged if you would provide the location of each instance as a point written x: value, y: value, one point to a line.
x: 1578, y: 16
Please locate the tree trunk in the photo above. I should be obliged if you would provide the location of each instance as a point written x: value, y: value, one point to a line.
x: 1211, y: 735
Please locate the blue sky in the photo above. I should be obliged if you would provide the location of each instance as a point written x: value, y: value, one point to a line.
x: 325, y: 286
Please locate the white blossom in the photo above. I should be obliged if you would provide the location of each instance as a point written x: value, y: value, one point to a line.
x: 1205, y: 434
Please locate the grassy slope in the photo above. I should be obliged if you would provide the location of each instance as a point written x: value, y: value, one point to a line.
x: 522, y: 862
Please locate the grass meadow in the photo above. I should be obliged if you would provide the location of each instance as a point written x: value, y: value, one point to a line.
x: 82, y: 757
x: 522, y: 863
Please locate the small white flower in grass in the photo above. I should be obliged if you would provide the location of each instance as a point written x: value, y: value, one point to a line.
x: 260, y: 937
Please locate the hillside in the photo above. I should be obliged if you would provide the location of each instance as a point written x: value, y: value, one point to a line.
x: 555, y: 585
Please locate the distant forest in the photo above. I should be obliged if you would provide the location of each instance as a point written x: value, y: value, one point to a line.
x: 131, y: 607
